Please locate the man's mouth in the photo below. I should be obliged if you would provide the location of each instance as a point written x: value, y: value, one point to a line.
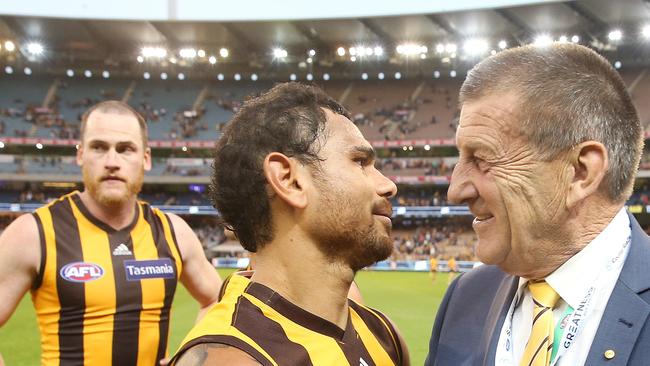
x: 112, y: 179
x: 479, y: 219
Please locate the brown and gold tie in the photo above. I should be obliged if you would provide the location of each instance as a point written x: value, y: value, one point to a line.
x: 540, y: 343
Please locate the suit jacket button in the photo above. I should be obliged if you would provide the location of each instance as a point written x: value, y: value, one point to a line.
x: 609, y: 354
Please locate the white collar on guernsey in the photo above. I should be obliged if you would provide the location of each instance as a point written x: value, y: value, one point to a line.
x: 573, y: 278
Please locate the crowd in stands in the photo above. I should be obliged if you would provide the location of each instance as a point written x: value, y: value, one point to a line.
x: 436, y: 167
x: 397, y: 121
x: 450, y: 238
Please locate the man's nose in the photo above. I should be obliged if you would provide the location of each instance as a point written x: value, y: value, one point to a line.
x: 461, y: 188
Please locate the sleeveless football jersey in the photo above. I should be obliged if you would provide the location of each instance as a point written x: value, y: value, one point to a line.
x: 103, y: 296
x: 274, y: 331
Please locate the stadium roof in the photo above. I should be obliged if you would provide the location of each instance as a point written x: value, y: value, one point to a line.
x: 116, y: 44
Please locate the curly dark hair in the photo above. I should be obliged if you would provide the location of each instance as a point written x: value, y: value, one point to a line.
x: 288, y: 119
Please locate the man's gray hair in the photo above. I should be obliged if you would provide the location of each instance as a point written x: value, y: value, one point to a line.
x: 568, y: 94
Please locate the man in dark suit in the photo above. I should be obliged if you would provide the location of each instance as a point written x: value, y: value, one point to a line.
x: 549, y: 145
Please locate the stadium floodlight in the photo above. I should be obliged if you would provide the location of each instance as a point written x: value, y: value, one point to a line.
x: 364, y: 76
x: 543, y: 40
x: 398, y: 75
x: 163, y: 75
x: 440, y: 48
x: 153, y: 52
x: 353, y: 58
x: 364, y: 51
x: 563, y: 39
x: 617, y: 65
x: 212, y: 60
x: 575, y: 38
x: 39, y: 146
x: 70, y: 73
x: 2, y: 145
x: 140, y: 59
x: 352, y: 51
x: 310, y: 77
x: 436, y: 74
x: 280, y: 53
x: 493, y: 52
x: 293, y: 77
x: 184, y: 148
x: 309, y: 60
x: 27, y: 71
x: 35, y: 48
x: 88, y: 73
x: 254, y: 77
x: 237, y: 76
x: 187, y: 53
x: 451, y: 48
x: 220, y: 77
x: 615, y: 35
x: 10, y: 46
x: 427, y: 147
x: 173, y: 60
x: 312, y: 53
x: 106, y: 74
x: 410, y: 147
x: 146, y: 75
x: 503, y: 44
x: 224, y: 52
x: 645, y: 31
x: 378, y: 51
x: 405, y: 148
x: 340, y: 51
x: 408, y: 49
x: 181, y: 76
x: 423, y: 56
x: 381, y: 76
x: 452, y: 73
x: 326, y: 76
x: 200, y: 53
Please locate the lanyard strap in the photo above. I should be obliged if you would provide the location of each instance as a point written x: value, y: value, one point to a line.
x: 560, y: 327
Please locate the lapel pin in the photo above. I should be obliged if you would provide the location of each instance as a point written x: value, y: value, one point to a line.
x: 609, y: 354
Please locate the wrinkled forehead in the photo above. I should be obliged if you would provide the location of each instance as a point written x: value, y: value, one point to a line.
x: 112, y: 127
x: 494, y: 116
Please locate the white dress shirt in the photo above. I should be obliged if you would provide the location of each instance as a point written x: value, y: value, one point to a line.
x: 595, y: 267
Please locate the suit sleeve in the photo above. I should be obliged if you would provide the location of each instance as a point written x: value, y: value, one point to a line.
x: 437, y: 325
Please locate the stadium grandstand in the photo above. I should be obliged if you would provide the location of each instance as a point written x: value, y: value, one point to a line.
x: 187, y: 69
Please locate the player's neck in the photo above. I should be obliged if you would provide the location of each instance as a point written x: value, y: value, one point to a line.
x: 117, y: 217
x: 306, y: 278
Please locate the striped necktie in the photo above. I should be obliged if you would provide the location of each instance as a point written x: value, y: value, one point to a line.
x: 540, y: 343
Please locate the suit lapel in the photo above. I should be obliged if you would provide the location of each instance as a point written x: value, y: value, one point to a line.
x: 496, y: 317
x: 626, y: 312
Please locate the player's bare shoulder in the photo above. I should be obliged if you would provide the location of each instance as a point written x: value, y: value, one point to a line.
x: 215, y: 354
x: 22, y: 237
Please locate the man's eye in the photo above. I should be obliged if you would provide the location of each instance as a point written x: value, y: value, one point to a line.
x: 361, y: 161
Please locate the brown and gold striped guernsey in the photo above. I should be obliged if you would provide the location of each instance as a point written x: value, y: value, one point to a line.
x: 274, y: 331
x: 103, y: 296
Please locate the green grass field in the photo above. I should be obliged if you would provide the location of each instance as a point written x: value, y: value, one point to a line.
x: 408, y: 298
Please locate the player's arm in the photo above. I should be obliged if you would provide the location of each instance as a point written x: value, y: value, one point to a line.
x: 215, y: 354
x: 20, y: 257
x: 199, y: 277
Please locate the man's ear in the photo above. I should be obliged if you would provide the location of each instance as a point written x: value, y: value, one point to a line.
x: 80, y: 152
x: 589, y: 161
x: 147, y: 158
x: 282, y: 174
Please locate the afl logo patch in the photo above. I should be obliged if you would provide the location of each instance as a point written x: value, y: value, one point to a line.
x: 81, y: 272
